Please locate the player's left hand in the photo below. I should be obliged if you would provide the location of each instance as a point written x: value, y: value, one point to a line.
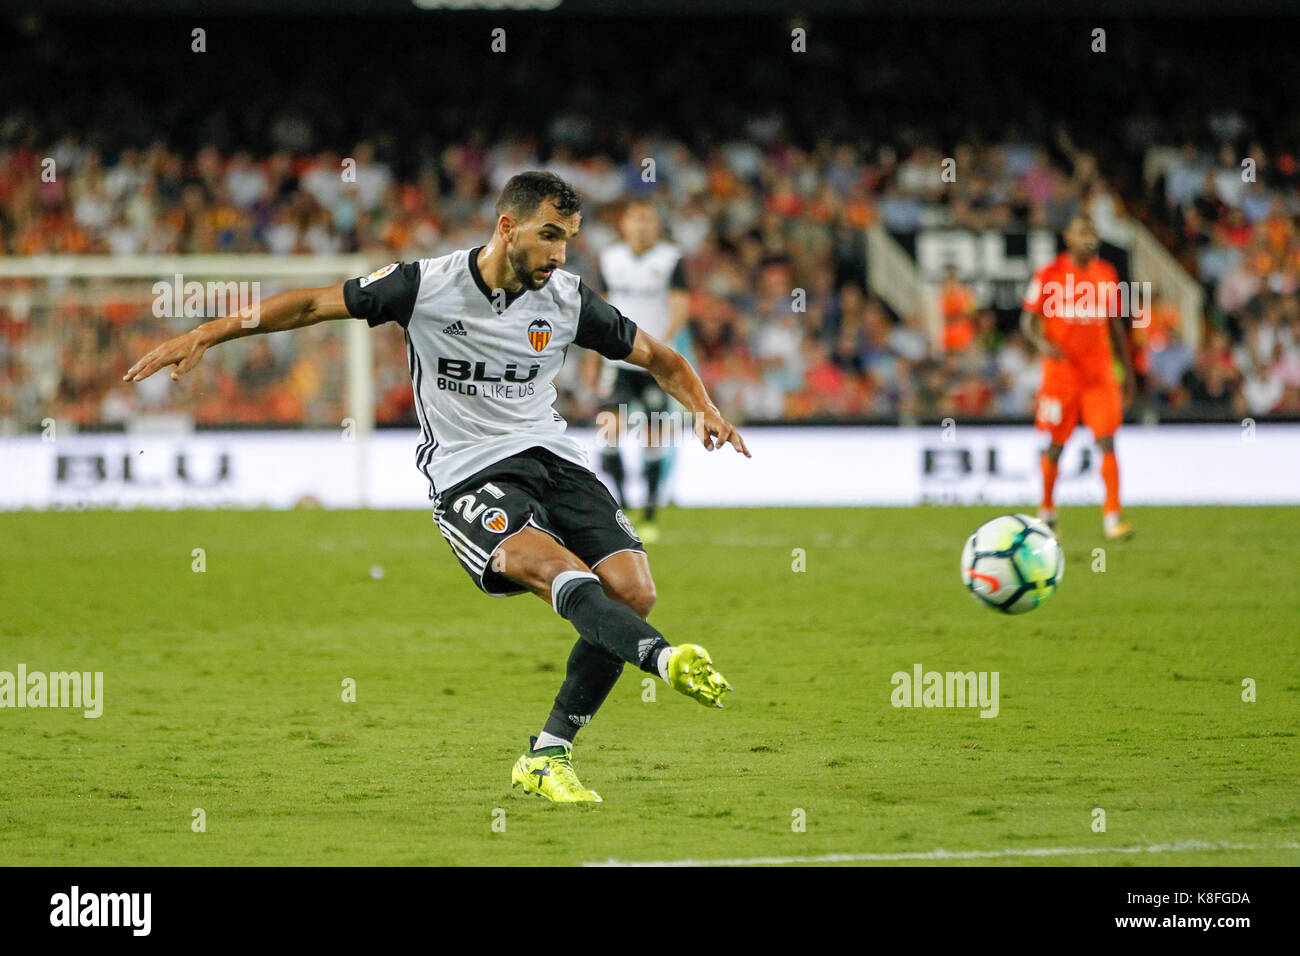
x: 1129, y: 389
x: 714, y: 431
x: 183, y: 351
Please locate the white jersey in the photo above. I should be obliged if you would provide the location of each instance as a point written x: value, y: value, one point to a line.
x: 638, y: 286
x: 482, y: 379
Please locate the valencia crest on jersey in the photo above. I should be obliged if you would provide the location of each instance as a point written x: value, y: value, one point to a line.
x: 539, y: 333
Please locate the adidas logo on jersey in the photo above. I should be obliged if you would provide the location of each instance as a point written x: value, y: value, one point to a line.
x: 456, y: 328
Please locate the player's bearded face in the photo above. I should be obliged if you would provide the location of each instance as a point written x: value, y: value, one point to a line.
x: 526, y: 270
x: 535, y: 248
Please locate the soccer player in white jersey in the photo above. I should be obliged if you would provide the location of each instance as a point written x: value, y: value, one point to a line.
x: 486, y: 330
x: 643, y: 278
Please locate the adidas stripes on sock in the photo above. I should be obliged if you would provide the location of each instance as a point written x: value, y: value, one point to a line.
x: 607, y: 624
x: 589, y: 677
x: 610, y: 633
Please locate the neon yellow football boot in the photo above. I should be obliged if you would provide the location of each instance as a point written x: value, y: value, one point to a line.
x: 691, y: 672
x: 549, y: 773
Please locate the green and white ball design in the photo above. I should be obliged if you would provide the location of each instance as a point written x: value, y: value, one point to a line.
x: 1012, y: 563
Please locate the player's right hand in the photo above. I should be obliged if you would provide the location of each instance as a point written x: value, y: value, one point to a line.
x: 714, y: 431
x: 184, y: 352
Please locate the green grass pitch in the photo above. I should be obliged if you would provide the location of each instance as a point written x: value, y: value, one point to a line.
x: 224, y: 692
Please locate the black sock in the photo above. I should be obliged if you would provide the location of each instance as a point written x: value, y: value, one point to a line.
x: 613, y: 627
x: 590, y: 676
x: 654, y: 470
x: 612, y: 463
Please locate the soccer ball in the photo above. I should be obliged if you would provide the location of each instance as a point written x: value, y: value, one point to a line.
x: 1012, y: 563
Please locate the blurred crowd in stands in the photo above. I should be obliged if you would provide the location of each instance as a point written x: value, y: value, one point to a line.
x: 754, y: 223
x: 759, y: 208
x: 1234, y: 216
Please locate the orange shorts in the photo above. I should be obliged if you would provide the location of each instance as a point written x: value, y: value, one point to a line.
x: 1069, y: 393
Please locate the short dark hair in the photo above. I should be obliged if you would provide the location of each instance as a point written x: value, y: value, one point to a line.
x: 527, y: 191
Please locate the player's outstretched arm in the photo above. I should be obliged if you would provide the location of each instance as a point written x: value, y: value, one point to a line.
x: 290, y: 310
x: 676, y: 377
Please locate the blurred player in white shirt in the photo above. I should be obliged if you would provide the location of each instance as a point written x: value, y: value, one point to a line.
x: 642, y: 277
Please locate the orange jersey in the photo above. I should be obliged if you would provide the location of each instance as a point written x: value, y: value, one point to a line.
x: 956, y: 302
x: 1076, y: 303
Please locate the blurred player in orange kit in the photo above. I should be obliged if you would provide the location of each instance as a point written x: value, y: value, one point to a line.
x: 1069, y: 316
x: 957, y: 303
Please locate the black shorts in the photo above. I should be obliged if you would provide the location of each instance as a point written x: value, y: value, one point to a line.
x: 537, y: 488
x: 636, y: 388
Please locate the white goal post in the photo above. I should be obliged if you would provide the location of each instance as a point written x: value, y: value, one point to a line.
x: 305, y: 270
x: 53, y: 281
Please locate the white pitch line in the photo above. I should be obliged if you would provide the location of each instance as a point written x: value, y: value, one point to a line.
x: 941, y: 854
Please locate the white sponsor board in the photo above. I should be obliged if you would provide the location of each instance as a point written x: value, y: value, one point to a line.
x: 1167, y: 464
x: 1159, y: 465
